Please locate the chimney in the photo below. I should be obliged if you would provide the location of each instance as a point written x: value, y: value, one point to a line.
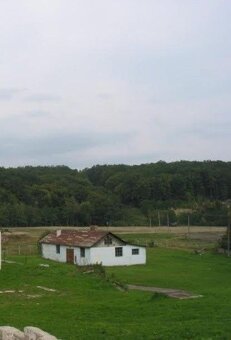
x: 58, y: 233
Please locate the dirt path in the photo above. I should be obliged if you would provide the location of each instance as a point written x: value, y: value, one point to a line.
x: 174, y: 293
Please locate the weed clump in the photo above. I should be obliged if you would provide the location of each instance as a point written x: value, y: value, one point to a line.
x: 99, y: 270
x: 152, y: 244
x: 158, y: 296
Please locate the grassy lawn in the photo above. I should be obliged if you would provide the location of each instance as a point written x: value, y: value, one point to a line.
x: 87, y: 306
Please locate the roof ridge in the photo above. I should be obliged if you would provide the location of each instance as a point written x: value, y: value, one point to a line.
x: 80, y: 238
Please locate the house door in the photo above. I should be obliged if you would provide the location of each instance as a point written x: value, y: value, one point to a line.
x: 70, y: 255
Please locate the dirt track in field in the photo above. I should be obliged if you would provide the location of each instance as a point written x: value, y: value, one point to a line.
x: 195, y: 233
x: 174, y: 230
x: 174, y: 293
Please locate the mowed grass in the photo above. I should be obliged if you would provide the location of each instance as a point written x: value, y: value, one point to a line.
x: 87, y: 306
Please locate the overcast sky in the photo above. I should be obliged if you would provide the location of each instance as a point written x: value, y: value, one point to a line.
x: 114, y: 81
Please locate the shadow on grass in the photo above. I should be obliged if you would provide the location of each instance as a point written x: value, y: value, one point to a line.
x: 158, y: 296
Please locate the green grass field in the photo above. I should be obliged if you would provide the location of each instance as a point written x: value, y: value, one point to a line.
x: 87, y: 306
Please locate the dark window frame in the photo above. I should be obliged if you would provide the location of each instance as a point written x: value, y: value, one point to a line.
x: 82, y: 252
x: 118, y: 251
x: 57, y: 248
x: 135, y: 251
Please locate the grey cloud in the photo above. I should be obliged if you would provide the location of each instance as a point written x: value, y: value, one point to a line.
x: 209, y: 130
x: 50, y: 146
x: 16, y: 119
x: 104, y: 95
x: 151, y: 69
x: 42, y: 97
x: 217, y: 135
x: 36, y: 113
x: 9, y: 93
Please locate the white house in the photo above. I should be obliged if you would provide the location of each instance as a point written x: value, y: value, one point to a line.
x: 91, y: 247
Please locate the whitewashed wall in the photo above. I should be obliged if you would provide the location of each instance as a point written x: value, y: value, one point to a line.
x: 106, y: 256
x: 49, y: 252
x: 82, y: 261
x: 103, y: 254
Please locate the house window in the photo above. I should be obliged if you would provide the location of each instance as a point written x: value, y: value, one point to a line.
x: 135, y: 251
x: 118, y: 251
x: 108, y: 240
x: 82, y: 252
x: 57, y: 248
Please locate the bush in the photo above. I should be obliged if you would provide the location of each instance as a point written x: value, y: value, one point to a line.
x: 223, y: 242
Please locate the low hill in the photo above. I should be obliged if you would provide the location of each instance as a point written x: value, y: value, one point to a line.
x: 158, y: 194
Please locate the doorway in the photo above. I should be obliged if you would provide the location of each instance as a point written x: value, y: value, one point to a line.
x: 70, y: 255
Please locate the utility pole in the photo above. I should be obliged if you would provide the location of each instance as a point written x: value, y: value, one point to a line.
x: 159, y: 218
x: 188, y: 225
x: 0, y: 250
x: 168, y: 221
x: 228, y: 237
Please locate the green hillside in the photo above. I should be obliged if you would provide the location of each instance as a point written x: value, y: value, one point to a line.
x: 157, y: 194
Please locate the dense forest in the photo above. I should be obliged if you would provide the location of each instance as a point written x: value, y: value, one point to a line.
x: 178, y: 193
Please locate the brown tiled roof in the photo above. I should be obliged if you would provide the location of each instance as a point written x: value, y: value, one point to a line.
x: 75, y: 238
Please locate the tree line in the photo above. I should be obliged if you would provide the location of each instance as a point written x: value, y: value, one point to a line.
x: 159, y: 193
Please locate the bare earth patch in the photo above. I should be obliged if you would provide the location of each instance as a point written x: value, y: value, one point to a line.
x: 47, y: 289
x: 10, y: 291
x: 174, y: 293
x: 33, y: 296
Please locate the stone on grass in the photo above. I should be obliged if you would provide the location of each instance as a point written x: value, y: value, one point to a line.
x: 11, y: 333
x: 34, y: 333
